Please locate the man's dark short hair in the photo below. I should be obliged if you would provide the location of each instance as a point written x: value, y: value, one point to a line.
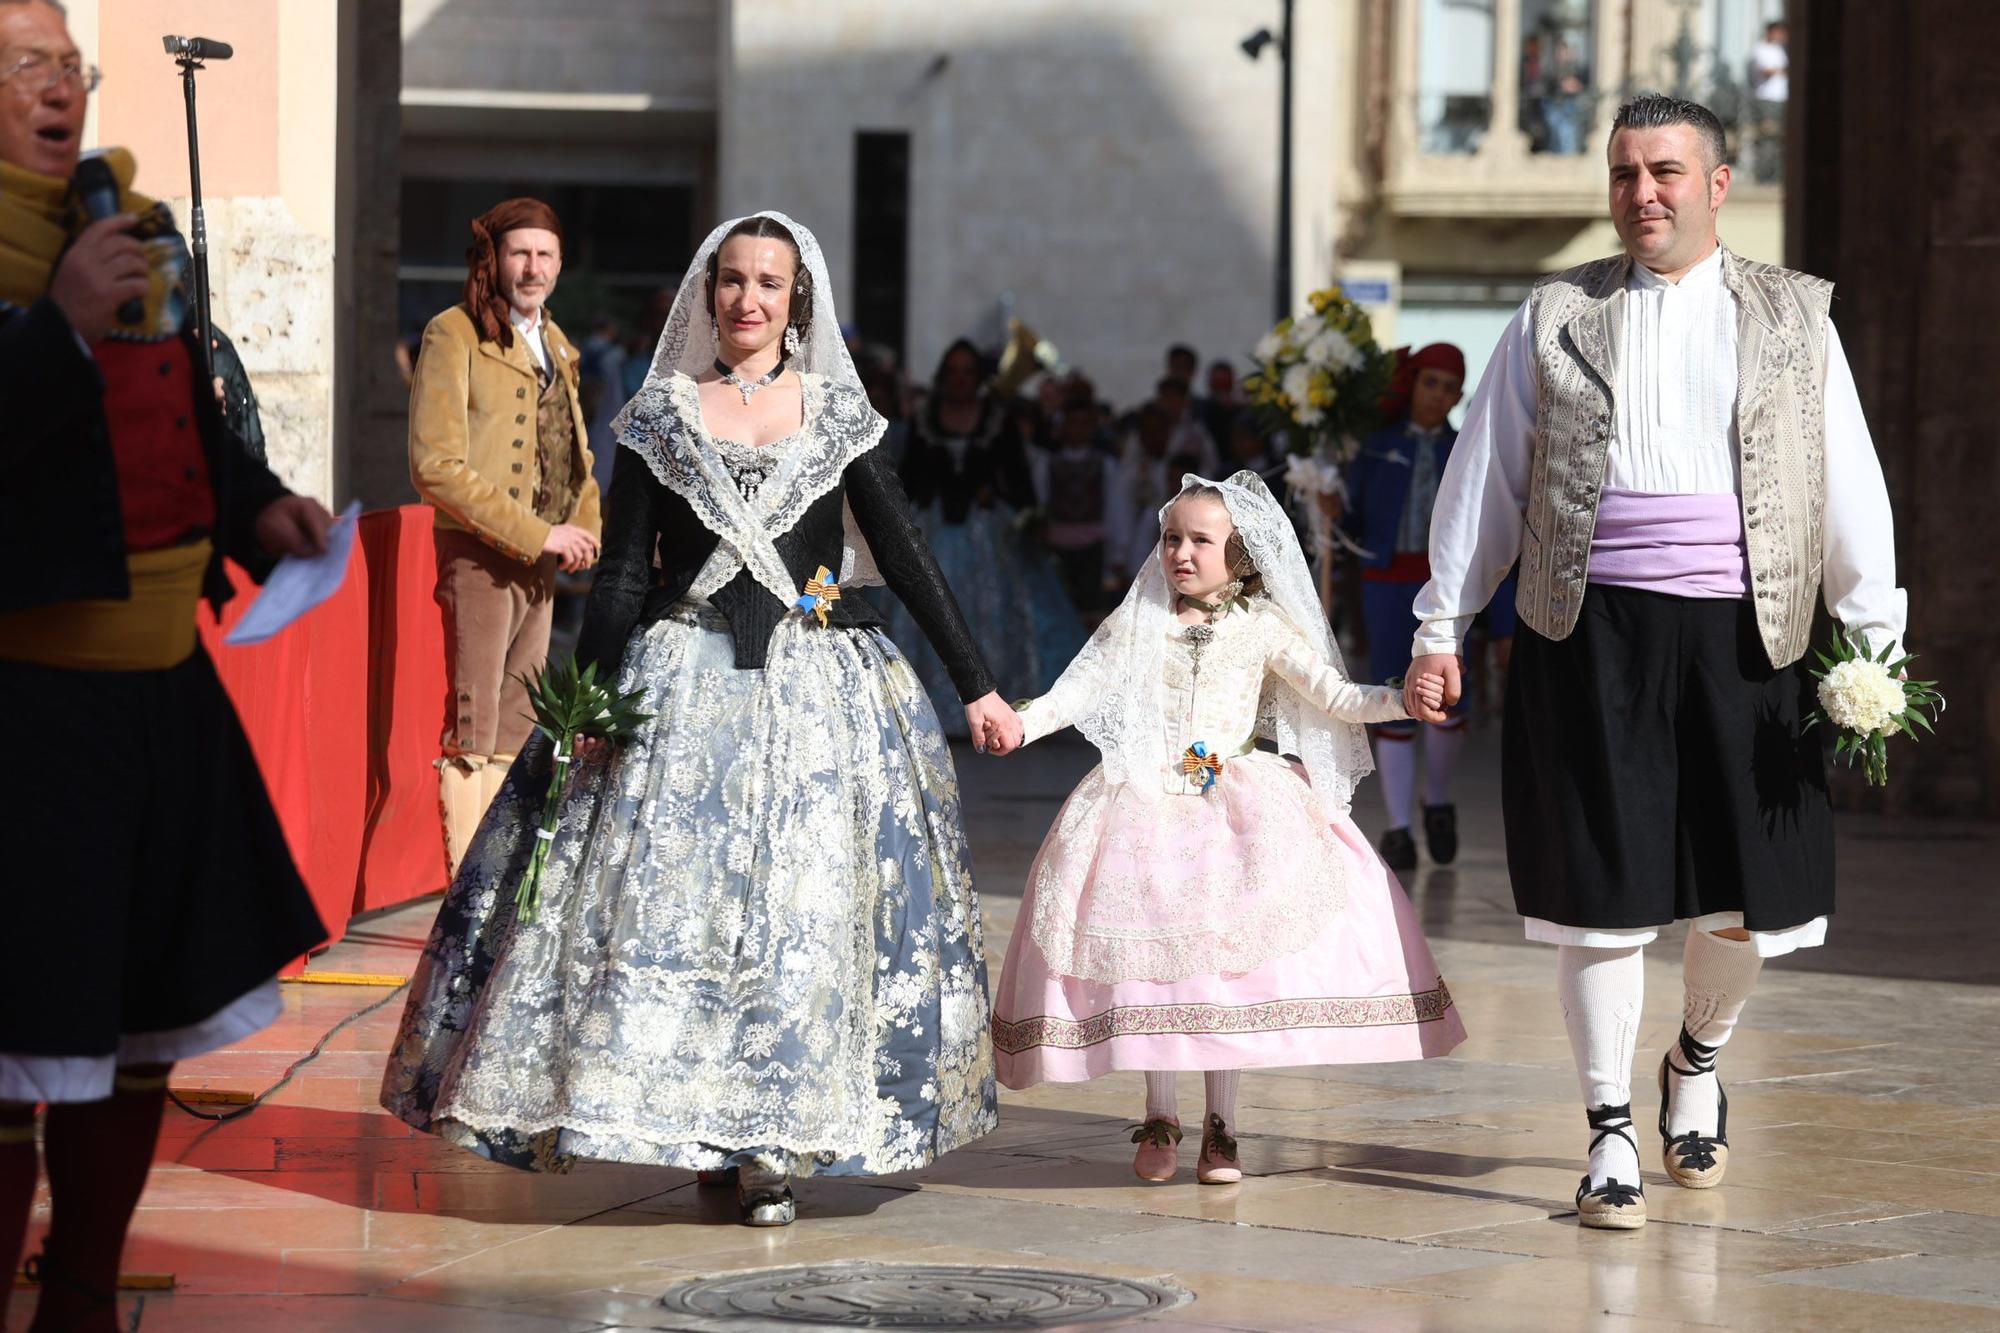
x: 1171, y: 384
x: 1182, y: 349
x: 1656, y: 111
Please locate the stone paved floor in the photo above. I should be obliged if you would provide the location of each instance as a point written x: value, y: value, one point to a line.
x: 1864, y: 1190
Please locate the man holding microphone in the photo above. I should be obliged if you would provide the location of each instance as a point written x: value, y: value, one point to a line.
x: 150, y: 898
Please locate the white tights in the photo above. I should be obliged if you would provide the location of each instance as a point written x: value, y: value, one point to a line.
x: 1163, y: 1103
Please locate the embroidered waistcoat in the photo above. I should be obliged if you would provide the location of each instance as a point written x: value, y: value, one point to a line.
x: 1780, y: 431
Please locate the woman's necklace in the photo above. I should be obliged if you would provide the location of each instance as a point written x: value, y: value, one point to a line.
x: 749, y: 387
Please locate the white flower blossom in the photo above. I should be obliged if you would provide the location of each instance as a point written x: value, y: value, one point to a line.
x: 1861, y: 696
x: 1313, y: 476
x: 1332, y: 348
x: 1297, y: 385
x: 1270, y: 346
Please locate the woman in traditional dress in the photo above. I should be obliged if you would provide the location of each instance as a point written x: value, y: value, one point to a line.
x: 758, y: 948
x: 969, y: 478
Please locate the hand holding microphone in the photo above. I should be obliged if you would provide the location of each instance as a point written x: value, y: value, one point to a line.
x: 105, y: 269
x: 96, y: 188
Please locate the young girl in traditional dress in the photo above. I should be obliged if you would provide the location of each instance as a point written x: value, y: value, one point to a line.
x: 1201, y: 903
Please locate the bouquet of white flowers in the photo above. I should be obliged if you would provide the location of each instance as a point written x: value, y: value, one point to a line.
x: 1319, y: 375
x: 1866, y: 699
x: 1318, y: 381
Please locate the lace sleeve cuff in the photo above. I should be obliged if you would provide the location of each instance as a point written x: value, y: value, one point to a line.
x: 1039, y: 718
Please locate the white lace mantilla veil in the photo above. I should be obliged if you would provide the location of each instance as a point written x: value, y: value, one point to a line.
x: 1121, y: 671
x: 662, y: 424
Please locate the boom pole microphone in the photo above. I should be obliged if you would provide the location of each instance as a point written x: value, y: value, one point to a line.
x: 97, y: 190
x: 188, y: 53
x: 197, y: 48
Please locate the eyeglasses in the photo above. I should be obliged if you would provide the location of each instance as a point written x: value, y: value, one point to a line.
x: 38, y: 73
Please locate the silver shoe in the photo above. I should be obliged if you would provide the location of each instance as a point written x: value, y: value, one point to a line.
x: 764, y: 1198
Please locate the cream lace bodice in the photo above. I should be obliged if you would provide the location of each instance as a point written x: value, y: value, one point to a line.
x: 1212, y: 693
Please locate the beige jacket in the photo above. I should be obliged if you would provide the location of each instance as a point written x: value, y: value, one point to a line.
x: 472, y: 435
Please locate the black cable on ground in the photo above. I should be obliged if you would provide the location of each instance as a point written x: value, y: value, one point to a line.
x: 239, y: 1112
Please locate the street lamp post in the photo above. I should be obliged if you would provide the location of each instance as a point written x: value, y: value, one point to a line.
x: 1253, y: 46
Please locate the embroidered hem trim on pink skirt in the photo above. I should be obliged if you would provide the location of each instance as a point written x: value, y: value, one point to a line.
x: 1050, y: 1027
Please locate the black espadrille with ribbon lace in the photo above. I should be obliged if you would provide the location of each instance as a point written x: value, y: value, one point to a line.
x: 1694, y: 1160
x: 1614, y: 1205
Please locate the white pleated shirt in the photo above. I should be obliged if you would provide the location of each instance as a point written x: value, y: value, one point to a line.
x: 1673, y: 433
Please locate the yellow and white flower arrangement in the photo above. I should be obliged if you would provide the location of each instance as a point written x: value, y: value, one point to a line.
x: 1319, y: 375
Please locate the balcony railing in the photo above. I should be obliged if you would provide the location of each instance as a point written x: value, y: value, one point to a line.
x: 1497, y: 114
x: 1503, y: 107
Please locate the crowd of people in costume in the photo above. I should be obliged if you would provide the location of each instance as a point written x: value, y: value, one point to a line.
x: 758, y: 950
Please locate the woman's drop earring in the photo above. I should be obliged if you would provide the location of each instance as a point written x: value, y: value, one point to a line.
x: 791, y: 340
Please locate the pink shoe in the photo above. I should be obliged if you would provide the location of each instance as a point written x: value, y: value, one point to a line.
x: 1159, y: 1155
x: 1218, y: 1164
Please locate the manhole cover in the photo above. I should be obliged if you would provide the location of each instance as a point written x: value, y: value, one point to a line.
x: 863, y: 1295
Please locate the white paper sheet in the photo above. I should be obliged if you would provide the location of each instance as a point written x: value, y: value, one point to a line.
x: 299, y: 583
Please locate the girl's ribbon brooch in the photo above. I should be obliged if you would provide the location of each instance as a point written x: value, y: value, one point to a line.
x: 1197, y: 762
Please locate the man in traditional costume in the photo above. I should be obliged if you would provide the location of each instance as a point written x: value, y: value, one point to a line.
x: 150, y: 899
x: 497, y: 446
x: 1671, y: 442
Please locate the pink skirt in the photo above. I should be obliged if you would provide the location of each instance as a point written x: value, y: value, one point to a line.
x: 1364, y: 989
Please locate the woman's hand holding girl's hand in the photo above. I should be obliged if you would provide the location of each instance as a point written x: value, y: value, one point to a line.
x: 995, y: 726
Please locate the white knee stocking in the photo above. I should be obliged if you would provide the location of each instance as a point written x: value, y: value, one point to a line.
x: 1161, y: 1100
x: 1717, y: 976
x: 1602, y: 991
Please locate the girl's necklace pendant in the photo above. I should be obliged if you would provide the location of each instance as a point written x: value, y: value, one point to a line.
x: 1197, y: 637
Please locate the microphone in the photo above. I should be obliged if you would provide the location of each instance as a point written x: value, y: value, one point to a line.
x: 97, y: 190
x: 198, y: 48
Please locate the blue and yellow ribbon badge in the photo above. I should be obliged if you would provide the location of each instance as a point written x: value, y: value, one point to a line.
x: 1196, y: 761
x: 821, y: 591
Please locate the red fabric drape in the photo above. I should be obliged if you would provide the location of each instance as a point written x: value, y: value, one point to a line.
x: 344, y: 709
x: 402, y: 854
x: 302, y: 694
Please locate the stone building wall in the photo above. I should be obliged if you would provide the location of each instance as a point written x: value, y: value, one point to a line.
x: 662, y: 49
x: 1896, y: 164
x: 1112, y: 165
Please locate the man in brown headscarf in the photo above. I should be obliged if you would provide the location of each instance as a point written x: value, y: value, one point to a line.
x: 497, y: 446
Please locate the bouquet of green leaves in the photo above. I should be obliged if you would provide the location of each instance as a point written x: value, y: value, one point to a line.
x: 1866, y: 699
x: 569, y: 703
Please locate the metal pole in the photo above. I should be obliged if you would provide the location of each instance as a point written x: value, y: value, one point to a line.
x: 198, y: 229
x: 1284, y: 293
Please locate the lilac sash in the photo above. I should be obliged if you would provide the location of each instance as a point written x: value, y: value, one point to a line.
x: 1683, y: 545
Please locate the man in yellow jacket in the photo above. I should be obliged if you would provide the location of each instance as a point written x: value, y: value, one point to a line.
x: 497, y: 446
